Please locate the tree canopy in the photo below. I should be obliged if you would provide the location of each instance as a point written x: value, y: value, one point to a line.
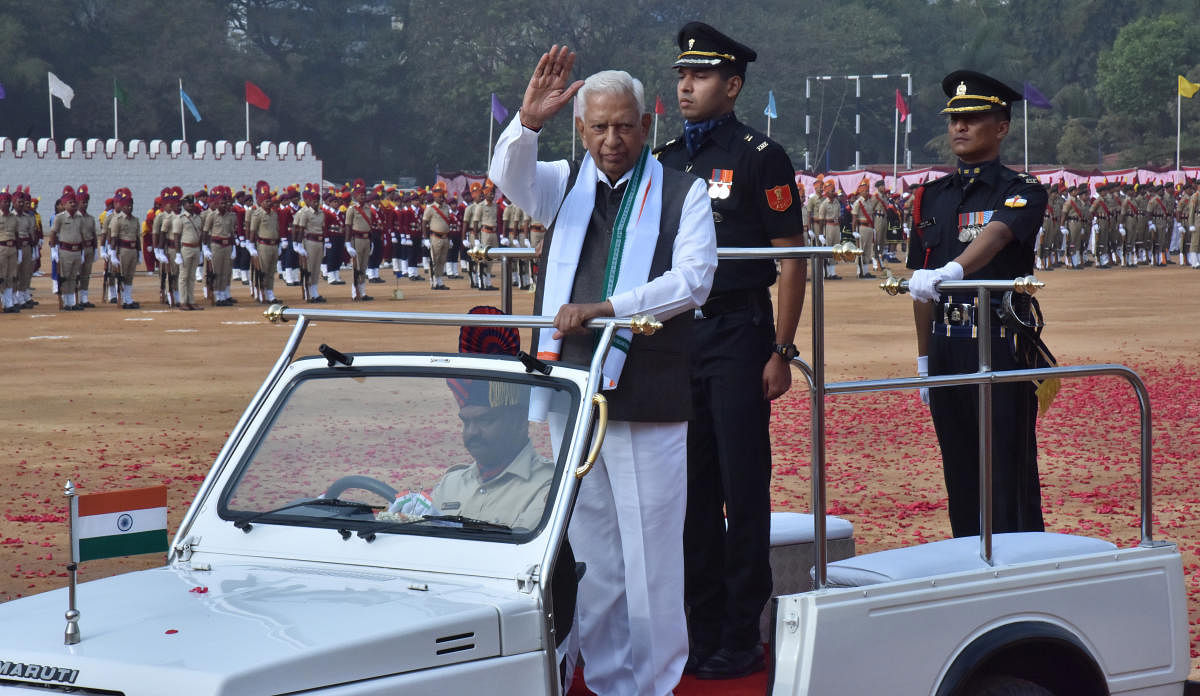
x: 396, y: 88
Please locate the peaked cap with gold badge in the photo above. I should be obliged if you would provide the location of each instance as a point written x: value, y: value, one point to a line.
x: 971, y: 92
x: 702, y: 47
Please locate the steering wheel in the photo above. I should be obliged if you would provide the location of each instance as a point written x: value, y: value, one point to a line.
x: 365, y: 483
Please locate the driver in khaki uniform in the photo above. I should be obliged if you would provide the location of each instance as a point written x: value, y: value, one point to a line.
x: 508, y: 482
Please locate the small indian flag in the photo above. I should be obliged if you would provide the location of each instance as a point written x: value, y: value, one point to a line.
x: 121, y: 523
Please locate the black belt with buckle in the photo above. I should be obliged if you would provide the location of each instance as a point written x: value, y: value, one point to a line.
x: 956, y: 314
x: 731, y: 301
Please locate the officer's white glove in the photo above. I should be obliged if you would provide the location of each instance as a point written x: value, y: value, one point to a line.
x: 425, y: 242
x: 394, y: 240
x: 1151, y: 226
x: 526, y: 243
x: 923, y: 285
x: 54, y: 253
x: 178, y: 259
x: 1063, y: 230
x: 253, y: 252
x: 114, y: 259
x: 1191, y: 228
x: 207, y: 253
x: 857, y: 235
x: 328, y: 244
x: 923, y: 371
x: 283, y: 243
x: 160, y: 256
x: 504, y: 241
x: 1121, y: 229
x: 821, y: 239
x: 37, y: 251
x: 905, y: 228
x: 350, y: 250
x: 301, y: 250
x: 20, y: 255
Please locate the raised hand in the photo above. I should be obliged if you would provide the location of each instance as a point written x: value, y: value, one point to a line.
x: 548, y: 89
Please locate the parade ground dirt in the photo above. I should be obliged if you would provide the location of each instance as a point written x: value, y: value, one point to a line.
x: 114, y: 399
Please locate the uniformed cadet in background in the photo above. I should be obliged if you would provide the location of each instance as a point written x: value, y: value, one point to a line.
x: 1048, y: 234
x: 739, y: 355
x: 263, y: 238
x: 1075, y: 216
x: 863, y: 223
x: 30, y: 243
x: 880, y: 204
x: 516, y: 235
x: 813, y: 226
x: 1161, y: 212
x: 436, y: 222
x: 89, y: 229
x: 829, y: 215
x: 220, y: 229
x: 309, y: 233
x: 185, y: 227
x: 66, y: 247
x: 487, y: 219
x: 1192, y: 258
x: 123, y: 232
x: 359, y: 219
x: 9, y: 253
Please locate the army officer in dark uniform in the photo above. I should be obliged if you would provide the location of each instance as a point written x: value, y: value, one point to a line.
x: 979, y: 222
x: 739, y: 355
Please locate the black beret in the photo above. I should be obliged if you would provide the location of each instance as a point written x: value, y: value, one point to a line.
x: 701, y: 46
x: 971, y: 92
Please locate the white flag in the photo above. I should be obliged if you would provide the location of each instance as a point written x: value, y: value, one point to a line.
x: 60, y: 89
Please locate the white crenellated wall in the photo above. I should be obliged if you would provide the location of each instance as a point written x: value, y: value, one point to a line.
x: 146, y: 168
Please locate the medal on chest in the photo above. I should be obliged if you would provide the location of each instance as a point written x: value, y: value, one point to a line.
x: 721, y: 183
x: 971, y: 224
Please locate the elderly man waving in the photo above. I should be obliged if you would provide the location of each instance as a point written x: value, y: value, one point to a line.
x: 628, y: 237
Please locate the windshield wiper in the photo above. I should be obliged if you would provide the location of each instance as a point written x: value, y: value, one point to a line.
x: 466, y: 522
x: 244, y: 523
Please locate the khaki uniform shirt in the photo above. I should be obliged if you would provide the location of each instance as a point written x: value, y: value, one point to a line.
x: 26, y: 224
x: 514, y: 220
x: 516, y: 497
x: 87, y: 227
x: 120, y: 227
x: 66, y: 229
x: 830, y: 213
x: 356, y: 219
x: 186, y: 228
x: 487, y: 214
x: 264, y: 224
x: 311, y: 221
x: 437, y: 224
x: 8, y: 228
x: 218, y: 226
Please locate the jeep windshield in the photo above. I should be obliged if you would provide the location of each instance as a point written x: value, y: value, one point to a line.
x: 418, y: 451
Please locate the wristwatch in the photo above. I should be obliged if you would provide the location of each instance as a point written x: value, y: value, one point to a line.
x: 787, y: 351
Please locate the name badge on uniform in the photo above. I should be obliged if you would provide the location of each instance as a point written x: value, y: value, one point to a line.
x: 971, y: 224
x: 721, y: 183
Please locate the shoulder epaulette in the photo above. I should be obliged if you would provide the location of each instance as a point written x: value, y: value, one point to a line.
x: 1028, y: 178
x: 664, y: 146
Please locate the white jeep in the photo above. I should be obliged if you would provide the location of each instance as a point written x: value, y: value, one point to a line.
x: 339, y: 545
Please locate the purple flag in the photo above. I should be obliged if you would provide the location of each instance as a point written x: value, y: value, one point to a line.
x: 3, y: 94
x: 498, y: 111
x: 1036, y: 98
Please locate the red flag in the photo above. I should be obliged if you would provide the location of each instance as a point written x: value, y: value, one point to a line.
x: 901, y: 106
x: 659, y: 107
x: 256, y: 97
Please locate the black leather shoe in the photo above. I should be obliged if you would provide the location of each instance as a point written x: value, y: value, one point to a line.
x: 696, y: 658
x: 89, y: 305
x: 732, y: 664
x: 376, y: 280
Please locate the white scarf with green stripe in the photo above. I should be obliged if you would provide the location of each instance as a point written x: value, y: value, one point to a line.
x: 635, y: 235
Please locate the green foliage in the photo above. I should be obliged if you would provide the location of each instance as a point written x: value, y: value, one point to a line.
x: 390, y: 88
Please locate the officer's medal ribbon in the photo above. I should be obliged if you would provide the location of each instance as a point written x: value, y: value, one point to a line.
x: 971, y: 224
x: 721, y: 183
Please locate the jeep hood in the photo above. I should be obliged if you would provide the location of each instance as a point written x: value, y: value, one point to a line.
x: 246, y: 629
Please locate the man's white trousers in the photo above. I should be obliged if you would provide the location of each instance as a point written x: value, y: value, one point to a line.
x: 628, y: 528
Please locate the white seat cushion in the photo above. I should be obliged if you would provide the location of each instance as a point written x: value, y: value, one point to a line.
x: 957, y: 555
x: 797, y: 528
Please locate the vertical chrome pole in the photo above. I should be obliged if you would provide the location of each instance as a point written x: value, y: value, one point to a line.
x: 820, y: 553
x: 505, y: 285
x: 983, y: 337
x: 71, y: 636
